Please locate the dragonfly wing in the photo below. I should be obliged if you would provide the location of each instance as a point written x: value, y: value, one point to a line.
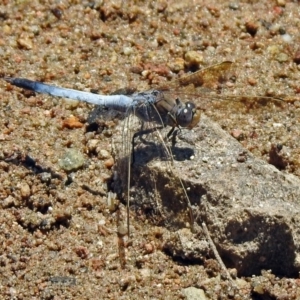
x: 208, y: 77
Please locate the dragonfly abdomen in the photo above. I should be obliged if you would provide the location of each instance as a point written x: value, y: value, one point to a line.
x: 117, y: 102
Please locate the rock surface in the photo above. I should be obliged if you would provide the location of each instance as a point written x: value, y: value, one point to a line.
x: 251, y: 208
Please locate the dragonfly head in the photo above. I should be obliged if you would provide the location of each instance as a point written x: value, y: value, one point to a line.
x: 188, y: 116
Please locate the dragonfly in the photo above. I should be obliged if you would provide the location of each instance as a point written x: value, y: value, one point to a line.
x: 162, y: 106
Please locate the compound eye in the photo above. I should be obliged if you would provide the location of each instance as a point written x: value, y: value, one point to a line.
x: 190, y: 116
x: 190, y: 105
x: 186, y: 115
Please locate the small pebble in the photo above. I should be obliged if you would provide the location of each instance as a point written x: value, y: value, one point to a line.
x: 145, y: 273
x: 109, y: 163
x: 82, y: 252
x: 72, y: 160
x: 8, y: 202
x: 122, y: 230
x: 237, y: 134
x: 127, y: 50
x: 25, y: 190
x: 297, y: 57
x: 287, y: 38
x: 6, y: 29
x: 234, y: 5
x: 103, y: 154
x: 149, y: 248
x: 177, y: 65
x: 57, y: 12
x: 233, y: 273
x: 282, y: 57
x: 136, y: 69
x: 281, y: 2
x: 25, y: 43
x: 71, y: 104
x: 45, y: 177
x: 252, y: 81
x: 92, y: 145
x: 251, y: 28
x: 72, y: 122
x: 124, y: 283
x: 273, y: 49
x: 193, y: 58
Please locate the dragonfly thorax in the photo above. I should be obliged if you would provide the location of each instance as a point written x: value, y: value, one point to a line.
x: 175, y: 113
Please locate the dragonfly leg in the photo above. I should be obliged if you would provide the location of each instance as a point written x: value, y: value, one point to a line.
x: 174, y: 135
x: 171, y: 132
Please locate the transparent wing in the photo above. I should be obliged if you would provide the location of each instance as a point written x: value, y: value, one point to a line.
x: 142, y: 145
x: 207, y: 77
x: 212, y: 88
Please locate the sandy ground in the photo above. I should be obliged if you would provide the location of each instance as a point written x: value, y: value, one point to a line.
x: 58, y: 235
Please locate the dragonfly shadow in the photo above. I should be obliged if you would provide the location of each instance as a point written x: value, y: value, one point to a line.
x: 146, y: 152
x: 182, y: 153
x: 18, y: 158
x: 98, y: 117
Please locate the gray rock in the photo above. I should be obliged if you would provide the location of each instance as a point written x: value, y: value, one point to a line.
x: 251, y: 208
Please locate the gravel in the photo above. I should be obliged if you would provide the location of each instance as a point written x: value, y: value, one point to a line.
x: 59, y: 238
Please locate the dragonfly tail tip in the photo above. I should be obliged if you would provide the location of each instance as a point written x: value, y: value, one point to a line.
x: 8, y: 79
